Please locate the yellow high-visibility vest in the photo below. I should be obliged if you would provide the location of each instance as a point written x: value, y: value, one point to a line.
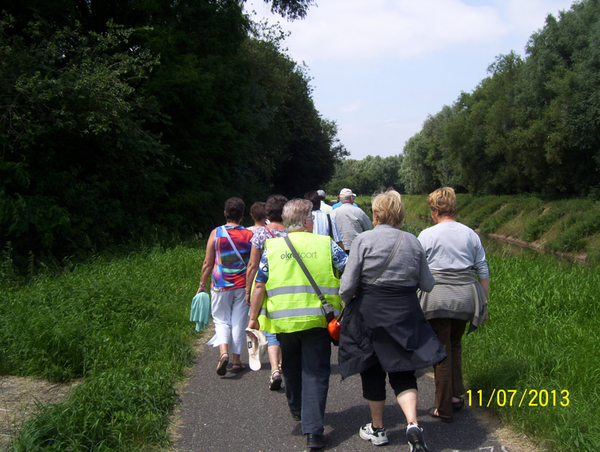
x: 291, y: 303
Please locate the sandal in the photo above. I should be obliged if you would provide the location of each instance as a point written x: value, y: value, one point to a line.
x: 236, y: 368
x: 456, y: 406
x: 275, y: 381
x: 222, y: 366
x: 433, y: 412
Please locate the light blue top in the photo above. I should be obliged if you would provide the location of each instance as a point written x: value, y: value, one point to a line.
x: 453, y: 246
x: 337, y: 204
x: 200, y: 310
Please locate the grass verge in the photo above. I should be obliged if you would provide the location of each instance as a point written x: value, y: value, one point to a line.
x: 122, y: 325
x: 541, y: 340
x: 534, y: 362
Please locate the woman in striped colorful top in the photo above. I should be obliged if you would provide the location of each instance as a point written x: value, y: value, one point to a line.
x: 227, y: 254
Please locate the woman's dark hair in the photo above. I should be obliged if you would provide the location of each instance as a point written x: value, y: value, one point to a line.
x: 234, y: 209
x: 258, y: 212
x: 313, y: 197
x: 274, y: 207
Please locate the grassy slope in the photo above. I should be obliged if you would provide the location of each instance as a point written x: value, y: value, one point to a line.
x: 567, y: 226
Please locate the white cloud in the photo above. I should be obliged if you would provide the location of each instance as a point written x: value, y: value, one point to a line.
x: 350, y: 107
x: 361, y: 30
x: 381, y: 66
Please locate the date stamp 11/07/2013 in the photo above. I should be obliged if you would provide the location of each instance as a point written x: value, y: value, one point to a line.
x: 519, y: 398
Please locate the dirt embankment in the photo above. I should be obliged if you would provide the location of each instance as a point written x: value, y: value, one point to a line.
x: 20, y: 397
x: 580, y: 258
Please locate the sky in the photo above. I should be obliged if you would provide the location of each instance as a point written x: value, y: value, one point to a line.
x: 378, y: 68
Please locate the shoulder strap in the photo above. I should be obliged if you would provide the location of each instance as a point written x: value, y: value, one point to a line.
x: 329, y: 314
x: 233, y: 246
x: 330, y: 227
x: 389, y: 259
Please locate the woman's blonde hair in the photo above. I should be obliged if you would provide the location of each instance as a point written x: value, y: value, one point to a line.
x: 294, y: 212
x: 443, y: 200
x: 389, y: 208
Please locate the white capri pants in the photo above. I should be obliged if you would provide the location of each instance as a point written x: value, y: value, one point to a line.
x: 230, y: 316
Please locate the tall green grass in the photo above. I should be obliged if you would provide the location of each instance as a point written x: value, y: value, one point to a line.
x: 543, y: 333
x: 120, y: 325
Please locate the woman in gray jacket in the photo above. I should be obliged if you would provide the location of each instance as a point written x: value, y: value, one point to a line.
x: 383, y: 328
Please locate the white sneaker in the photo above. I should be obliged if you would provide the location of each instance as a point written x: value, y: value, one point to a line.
x: 414, y: 435
x: 377, y: 436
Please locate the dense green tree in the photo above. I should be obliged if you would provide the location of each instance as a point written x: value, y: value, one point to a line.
x: 78, y: 162
x: 110, y: 133
x: 367, y: 176
x: 532, y: 125
x: 292, y: 139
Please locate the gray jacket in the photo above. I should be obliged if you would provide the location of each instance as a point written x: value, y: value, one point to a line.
x: 371, y: 249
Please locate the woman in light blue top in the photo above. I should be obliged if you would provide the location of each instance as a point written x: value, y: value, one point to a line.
x: 457, y: 261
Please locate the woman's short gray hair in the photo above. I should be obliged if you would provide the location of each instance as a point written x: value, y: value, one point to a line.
x: 294, y: 212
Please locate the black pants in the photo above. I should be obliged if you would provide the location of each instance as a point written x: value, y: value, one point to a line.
x: 373, y: 382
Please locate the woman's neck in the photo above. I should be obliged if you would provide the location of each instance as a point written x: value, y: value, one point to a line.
x: 276, y: 225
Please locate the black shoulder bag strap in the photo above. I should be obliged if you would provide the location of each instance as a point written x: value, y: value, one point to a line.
x: 327, y: 308
x: 330, y: 227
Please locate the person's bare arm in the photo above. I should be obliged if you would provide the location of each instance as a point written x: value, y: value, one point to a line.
x: 251, y: 272
x: 208, y: 264
x: 258, y: 296
x: 485, y: 283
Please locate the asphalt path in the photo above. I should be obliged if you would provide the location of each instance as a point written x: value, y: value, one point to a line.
x: 238, y: 412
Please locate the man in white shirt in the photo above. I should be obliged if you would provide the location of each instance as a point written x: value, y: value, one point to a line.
x: 351, y: 220
x: 323, y: 224
x: 325, y: 208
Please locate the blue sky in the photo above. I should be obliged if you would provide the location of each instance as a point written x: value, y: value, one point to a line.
x: 379, y: 67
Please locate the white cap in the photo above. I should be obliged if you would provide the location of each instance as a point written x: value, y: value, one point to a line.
x: 257, y: 346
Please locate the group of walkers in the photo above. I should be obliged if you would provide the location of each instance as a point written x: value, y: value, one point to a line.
x: 404, y: 301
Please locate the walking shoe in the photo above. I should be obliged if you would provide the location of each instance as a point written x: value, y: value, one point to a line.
x: 315, y: 441
x: 414, y: 435
x: 377, y: 436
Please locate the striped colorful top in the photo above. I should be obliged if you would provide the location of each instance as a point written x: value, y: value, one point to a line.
x: 229, y: 271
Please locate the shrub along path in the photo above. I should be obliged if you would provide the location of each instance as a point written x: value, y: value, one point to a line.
x: 239, y: 412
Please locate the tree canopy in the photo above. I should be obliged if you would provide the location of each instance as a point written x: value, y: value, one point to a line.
x: 530, y: 127
x: 123, y: 119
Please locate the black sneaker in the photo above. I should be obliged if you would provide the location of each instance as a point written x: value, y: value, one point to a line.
x: 414, y: 435
x: 315, y: 441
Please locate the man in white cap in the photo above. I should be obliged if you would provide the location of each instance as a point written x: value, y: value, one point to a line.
x: 351, y: 220
x: 325, y: 208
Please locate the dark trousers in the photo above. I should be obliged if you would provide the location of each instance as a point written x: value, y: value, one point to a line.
x: 448, y: 373
x: 306, y: 366
x: 373, y: 382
